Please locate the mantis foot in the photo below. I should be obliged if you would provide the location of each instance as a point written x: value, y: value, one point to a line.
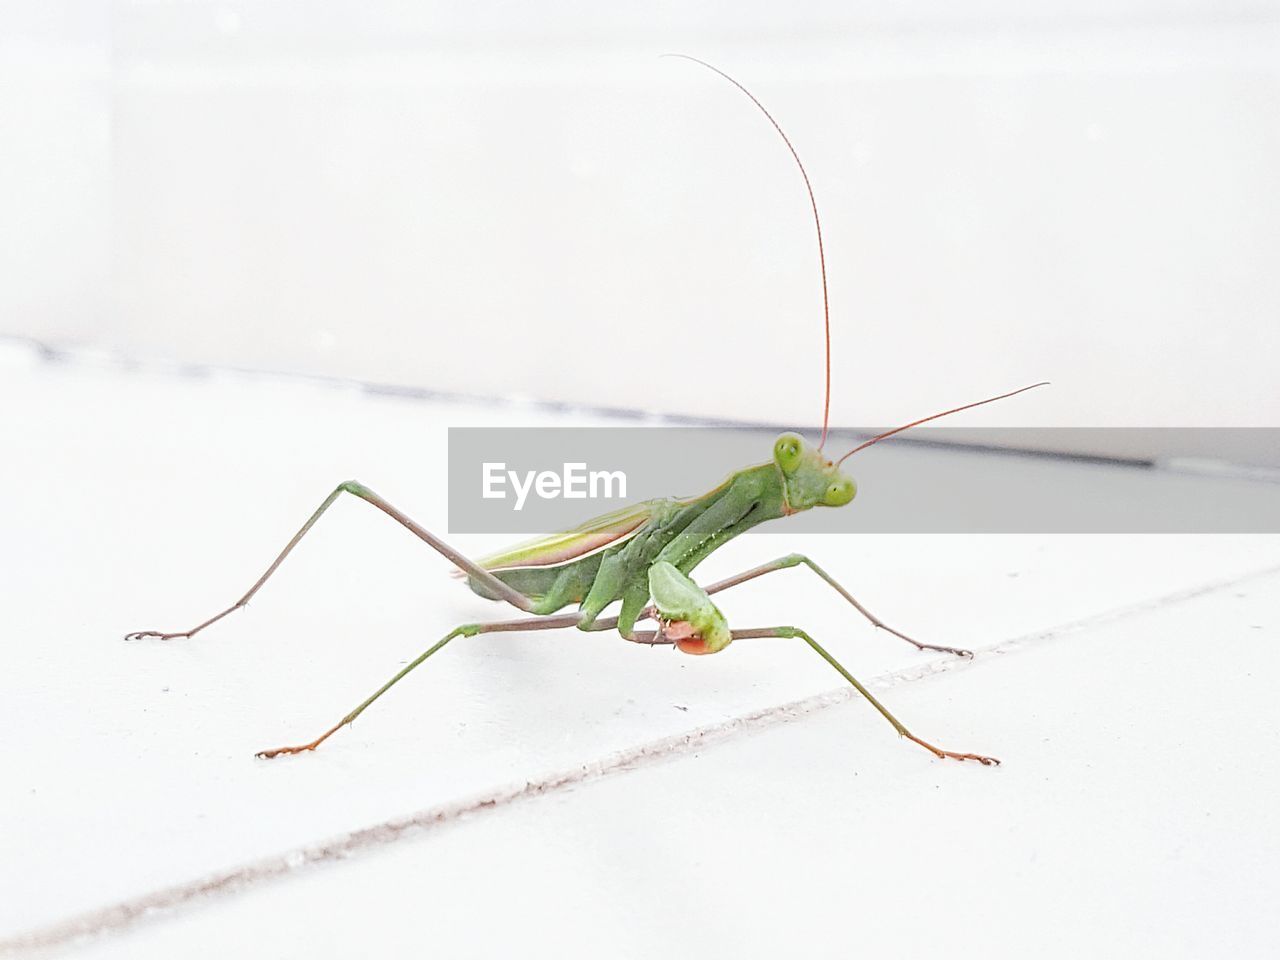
x: 157, y: 635
x: 278, y: 751
x: 186, y: 634
x: 957, y: 651
x: 943, y: 754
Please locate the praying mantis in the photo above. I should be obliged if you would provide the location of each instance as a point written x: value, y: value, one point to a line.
x: 643, y: 556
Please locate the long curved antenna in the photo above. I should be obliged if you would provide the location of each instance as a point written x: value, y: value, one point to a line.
x: 944, y: 413
x: 817, y: 224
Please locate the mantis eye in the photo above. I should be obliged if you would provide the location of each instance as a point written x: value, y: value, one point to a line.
x: 839, y: 492
x: 786, y: 452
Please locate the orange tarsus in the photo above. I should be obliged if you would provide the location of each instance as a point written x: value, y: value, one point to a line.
x: 687, y: 640
x: 697, y: 647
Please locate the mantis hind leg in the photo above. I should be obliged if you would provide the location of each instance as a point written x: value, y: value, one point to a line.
x: 498, y: 588
x: 884, y: 711
x: 798, y: 559
x: 465, y: 630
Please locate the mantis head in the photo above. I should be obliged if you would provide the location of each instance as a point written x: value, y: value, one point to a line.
x: 809, y: 479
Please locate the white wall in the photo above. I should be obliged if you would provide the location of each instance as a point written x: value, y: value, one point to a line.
x: 55, y: 171
x: 524, y: 199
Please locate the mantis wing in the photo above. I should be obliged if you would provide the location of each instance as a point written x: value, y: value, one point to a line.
x: 595, y: 534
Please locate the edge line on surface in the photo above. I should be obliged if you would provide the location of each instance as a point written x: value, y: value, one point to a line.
x: 159, y: 904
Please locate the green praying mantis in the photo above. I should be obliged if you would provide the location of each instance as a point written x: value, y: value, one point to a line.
x: 642, y: 556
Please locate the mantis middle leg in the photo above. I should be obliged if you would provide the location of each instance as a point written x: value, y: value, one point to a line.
x: 688, y: 616
x: 798, y: 559
x: 884, y: 711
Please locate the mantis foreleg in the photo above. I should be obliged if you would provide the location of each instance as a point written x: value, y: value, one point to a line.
x: 798, y: 559
x: 500, y: 589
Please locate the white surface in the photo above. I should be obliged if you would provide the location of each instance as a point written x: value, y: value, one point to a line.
x: 1135, y: 817
x: 1012, y: 192
x: 1133, y: 814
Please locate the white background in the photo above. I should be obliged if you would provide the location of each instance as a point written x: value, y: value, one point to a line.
x: 522, y: 202
x: 522, y: 199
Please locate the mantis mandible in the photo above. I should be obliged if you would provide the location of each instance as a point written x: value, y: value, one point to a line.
x: 642, y: 556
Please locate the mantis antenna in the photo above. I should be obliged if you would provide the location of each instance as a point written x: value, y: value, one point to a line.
x: 944, y: 413
x: 817, y: 224
x: 826, y: 303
